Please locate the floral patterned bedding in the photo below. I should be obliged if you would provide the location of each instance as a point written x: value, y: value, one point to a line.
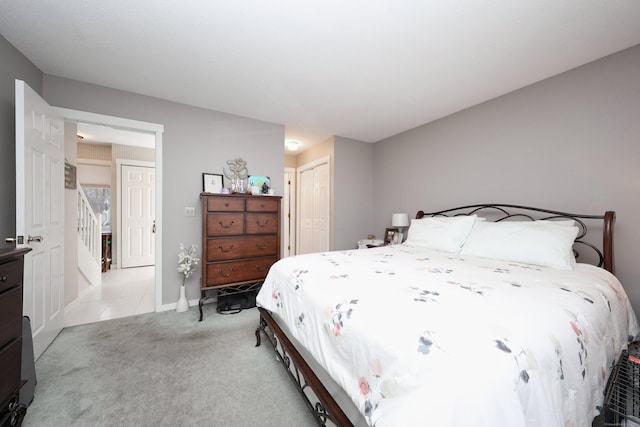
x: 419, y: 337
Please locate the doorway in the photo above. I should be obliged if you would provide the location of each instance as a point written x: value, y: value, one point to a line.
x: 146, y: 128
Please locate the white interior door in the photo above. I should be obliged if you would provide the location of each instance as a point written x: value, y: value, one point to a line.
x: 40, y: 212
x: 321, y: 205
x: 137, y: 204
x: 305, y: 218
x: 314, y: 207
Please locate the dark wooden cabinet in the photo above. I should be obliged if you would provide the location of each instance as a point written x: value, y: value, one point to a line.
x: 11, y: 274
x: 106, y: 252
x: 240, y: 241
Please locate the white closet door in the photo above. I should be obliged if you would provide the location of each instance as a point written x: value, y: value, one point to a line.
x: 305, y: 233
x: 321, y: 204
x: 314, y: 203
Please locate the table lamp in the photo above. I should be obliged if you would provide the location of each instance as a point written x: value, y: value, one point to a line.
x: 400, y: 220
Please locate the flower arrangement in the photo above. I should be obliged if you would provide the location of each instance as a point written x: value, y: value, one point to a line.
x: 187, y: 261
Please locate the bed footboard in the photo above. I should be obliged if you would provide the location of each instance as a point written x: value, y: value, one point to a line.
x: 320, y: 402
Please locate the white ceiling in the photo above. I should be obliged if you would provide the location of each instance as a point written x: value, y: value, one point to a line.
x: 362, y: 69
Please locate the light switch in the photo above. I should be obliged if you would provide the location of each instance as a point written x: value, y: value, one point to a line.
x: 189, y: 211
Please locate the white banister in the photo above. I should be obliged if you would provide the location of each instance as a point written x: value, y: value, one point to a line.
x: 89, y: 239
x: 89, y: 227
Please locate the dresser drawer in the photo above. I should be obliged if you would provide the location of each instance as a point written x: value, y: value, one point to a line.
x: 262, y: 205
x: 228, y: 248
x: 10, y: 274
x: 262, y: 223
x: 225, y: 224
x: 10, y: 363
x: 221, y: 273
x: 10, y: 315
x: 225, y: 204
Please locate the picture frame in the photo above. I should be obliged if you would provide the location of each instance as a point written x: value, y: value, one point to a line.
x: 258, y: 181
x: 212, y: 182
x: 390, y: 235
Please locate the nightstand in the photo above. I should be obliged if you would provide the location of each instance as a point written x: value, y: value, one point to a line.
x: 369, y: 243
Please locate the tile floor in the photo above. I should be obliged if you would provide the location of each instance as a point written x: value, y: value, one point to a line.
x: 123, y: 292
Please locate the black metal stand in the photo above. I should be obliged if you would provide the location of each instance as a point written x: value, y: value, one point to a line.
x: 622, y: 395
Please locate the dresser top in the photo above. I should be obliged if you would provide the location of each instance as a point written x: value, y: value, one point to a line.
x: 10, y: 253
x: 240, y: 195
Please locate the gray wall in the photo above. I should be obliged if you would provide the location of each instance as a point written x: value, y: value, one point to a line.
x: 568, y: 143
x: 195, y: 140
x: 13, y: 65
x: 352, y: 192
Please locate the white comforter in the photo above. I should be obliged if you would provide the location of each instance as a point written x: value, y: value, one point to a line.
x: 419, y: 337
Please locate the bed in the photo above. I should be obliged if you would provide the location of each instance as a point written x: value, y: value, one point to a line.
x: 487, y: 315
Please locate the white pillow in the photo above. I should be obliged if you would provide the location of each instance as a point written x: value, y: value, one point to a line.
x: 441, y: 233
x: 544, y: 243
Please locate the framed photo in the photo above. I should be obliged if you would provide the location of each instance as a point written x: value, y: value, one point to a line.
x: 390, y: 235
x: 212, y: 182
x: 259, y: 183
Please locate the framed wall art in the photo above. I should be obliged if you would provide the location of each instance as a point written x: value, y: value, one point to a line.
x: 211, y: 182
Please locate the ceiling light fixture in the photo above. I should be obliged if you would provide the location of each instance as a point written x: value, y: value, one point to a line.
x: 293, y: 145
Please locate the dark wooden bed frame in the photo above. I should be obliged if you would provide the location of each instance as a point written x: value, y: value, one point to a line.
x: 325, y: 408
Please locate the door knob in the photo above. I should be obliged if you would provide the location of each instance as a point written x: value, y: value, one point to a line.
x: 34, y: 239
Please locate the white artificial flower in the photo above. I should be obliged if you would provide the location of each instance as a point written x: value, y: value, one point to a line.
x: 187, y: 260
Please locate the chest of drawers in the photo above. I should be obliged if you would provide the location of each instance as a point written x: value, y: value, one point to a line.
x: 240, y: 240
x: 11, y: 274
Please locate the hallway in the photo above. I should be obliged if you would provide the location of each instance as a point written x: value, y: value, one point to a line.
x: 123, y: 292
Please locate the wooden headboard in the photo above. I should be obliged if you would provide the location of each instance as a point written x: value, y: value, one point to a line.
x: 502, y: 212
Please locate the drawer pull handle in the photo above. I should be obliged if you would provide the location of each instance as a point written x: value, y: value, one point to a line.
x: 261, y: 268
x: 4, y: 278
x: 265, y: 246
x: 226, y: 205
x: 225, y: 250
x: 226, y: 274
x: 262, y: 205
x: 262, y: 225
x: 226, y: 226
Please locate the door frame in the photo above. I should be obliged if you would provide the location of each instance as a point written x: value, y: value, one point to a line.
x: 137, y: 126
x: 119, y: 164
x: 289, y: 213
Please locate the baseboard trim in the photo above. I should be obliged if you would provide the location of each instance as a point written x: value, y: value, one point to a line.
x: 172, y: 306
